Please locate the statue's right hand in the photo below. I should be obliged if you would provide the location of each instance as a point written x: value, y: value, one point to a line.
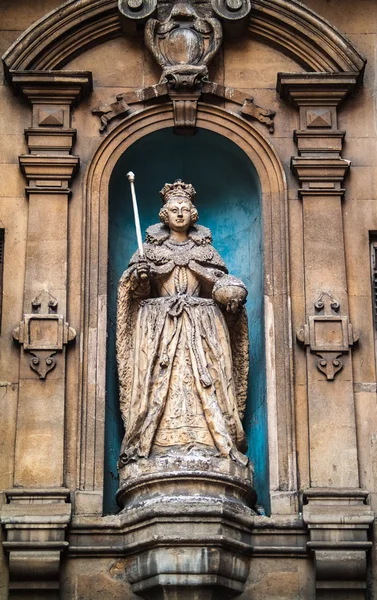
x: 142, y: 270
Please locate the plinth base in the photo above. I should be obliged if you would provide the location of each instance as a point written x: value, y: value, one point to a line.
x: 193, y: 517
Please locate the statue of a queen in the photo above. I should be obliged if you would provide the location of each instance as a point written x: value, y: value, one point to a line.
x: 182, y: 341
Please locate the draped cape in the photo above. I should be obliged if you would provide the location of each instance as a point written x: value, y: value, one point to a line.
x: 206, y: 263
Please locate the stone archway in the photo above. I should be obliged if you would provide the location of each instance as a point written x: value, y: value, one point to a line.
x: 277, y: 315
x: 295, y: 29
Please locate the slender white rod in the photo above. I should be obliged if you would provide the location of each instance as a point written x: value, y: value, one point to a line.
x: 131, y: 179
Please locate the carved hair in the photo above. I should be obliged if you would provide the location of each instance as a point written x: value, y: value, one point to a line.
x: 164, y: 216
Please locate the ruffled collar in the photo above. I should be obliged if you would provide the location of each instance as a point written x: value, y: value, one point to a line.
x: 159, y: 233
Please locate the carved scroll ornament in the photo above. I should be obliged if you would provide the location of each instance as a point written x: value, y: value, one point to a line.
x: 124, y: 102
x: 329, y: 335
x: 43, y: 333
x: 136, y: 10
x: 183, y: 44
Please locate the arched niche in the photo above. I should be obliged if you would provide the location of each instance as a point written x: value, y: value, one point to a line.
x: 258, y: 152
x: 229, y: 203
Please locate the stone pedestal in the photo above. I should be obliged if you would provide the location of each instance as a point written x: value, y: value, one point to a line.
x: 192, y: 538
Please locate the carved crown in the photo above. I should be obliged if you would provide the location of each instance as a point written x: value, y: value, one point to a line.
x: 178, y: 189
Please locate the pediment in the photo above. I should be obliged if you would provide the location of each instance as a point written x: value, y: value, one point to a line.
x: 294, y: 29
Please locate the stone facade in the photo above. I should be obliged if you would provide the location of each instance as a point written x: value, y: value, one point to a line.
x: 316, y: 159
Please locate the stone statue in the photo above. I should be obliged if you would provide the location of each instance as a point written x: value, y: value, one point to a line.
x: 182, y: 341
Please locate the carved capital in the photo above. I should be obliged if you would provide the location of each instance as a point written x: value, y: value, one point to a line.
x: 52, y: 171
x: 328, y: 335
x: 318, y: 96
x: 320, y: 175
x: 52, y: 95
x: 57, y: 87
x: 43, y: 333
x: 318, y: 90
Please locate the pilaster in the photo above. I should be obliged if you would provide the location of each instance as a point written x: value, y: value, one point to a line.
x: 35, y: 535
x: 328, y: 335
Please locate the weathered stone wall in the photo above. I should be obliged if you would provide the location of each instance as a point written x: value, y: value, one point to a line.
x: 121, y: 65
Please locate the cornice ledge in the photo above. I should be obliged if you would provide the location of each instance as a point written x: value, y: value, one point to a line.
x: 68, y: 86
x: 330, y: 89
x: 57, y: 38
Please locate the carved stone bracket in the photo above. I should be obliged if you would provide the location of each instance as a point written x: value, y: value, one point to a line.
x: 338, y: 521
x: 329, y: 335
x: 43, y: 333
x: 35, y: 522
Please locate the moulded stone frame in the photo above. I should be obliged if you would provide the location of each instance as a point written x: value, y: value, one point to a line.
x: 280, y: 403
x: 327, y: 346
x: 47, y: 344
x: 68, y: 30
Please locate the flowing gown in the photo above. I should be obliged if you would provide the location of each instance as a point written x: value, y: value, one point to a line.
x: 181, y: 391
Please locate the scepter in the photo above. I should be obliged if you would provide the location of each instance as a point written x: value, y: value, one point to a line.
x: 131, y: 179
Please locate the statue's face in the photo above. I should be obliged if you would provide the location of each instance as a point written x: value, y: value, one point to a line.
x: 179, y: 215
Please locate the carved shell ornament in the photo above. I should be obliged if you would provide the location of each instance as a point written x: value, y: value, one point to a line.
x: 183, y: 40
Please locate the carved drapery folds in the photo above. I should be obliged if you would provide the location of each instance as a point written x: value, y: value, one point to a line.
x: 185, y: 116
x: 182, y: 331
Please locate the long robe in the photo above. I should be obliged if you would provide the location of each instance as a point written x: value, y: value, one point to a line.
x: 181, y: 385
